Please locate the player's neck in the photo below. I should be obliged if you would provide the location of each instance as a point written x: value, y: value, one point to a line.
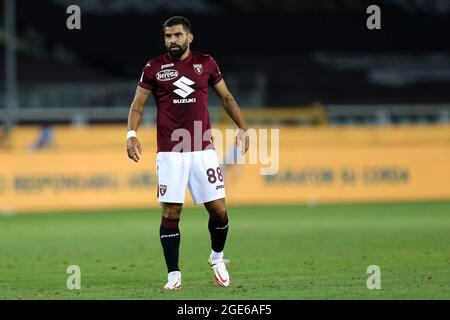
x: 185, y: 55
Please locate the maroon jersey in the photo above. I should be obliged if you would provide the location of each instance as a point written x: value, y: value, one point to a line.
x: 180, y: 89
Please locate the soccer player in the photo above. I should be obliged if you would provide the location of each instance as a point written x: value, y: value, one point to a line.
x: 179, y: 82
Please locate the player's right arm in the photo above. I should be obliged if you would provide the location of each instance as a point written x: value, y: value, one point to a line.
x: 134, y: 148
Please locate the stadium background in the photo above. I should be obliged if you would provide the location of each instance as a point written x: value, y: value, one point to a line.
x: 363, y: 118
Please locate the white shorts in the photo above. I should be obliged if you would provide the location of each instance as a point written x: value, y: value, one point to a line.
x: 199, y: 170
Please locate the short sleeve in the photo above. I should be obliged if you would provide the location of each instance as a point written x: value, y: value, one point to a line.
x: 147, y: 80
x: 215, y: 75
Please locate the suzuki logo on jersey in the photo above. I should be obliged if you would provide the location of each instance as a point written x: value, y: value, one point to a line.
x: 190, y: 100
x: 184, y: 88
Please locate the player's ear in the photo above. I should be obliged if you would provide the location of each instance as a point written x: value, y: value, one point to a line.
x: 190, y: 37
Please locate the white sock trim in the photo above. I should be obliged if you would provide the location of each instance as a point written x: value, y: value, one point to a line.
x: 216, y: 256
x: 174, y: 274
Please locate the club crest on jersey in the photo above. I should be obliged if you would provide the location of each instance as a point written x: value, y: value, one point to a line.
x: 198, y: 68
x: 162, y: 189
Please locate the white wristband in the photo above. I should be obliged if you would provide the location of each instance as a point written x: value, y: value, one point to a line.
x: 130, y: 134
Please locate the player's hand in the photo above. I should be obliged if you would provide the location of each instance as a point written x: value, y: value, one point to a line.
x: 134, y: 149
x: 243, y: 140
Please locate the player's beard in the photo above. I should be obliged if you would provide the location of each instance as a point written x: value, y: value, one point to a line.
x: 176, y: 54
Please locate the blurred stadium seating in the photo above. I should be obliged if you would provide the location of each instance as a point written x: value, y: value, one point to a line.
x: 274, y: 58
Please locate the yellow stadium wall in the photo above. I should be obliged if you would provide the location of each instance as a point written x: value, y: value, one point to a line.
x: 87, y: 168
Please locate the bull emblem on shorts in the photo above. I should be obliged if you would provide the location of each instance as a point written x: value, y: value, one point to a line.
x: 162, y: 189
x: 198, y: 68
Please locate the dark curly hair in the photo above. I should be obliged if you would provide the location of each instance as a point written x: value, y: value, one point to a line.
x: 176, y: 20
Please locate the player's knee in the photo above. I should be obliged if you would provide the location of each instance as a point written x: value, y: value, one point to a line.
x: 171, y: 211
x: 220, y: 215
x: 172, y: 214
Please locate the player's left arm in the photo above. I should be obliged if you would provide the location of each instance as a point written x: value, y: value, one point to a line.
x: 232, y: 109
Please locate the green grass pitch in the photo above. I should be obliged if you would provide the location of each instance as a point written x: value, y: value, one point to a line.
x: 276, y: 252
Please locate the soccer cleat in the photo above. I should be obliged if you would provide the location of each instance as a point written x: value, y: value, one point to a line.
x: 220, y: 272
x: 173, y: 281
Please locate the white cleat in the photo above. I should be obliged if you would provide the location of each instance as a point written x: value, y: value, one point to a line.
x: 173, y: 281
x: 220, y: 272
